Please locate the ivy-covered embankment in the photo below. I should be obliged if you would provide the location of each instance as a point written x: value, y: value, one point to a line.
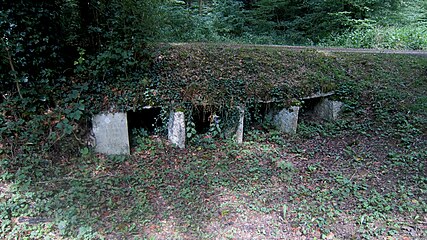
x: 218, y: 74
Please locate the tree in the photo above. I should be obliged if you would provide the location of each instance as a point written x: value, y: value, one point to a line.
x: 31, y: 41
x: 315, y: 19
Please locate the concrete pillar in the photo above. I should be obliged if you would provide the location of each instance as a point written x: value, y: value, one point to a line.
x: 176, y: 129
x: 328, y: 110
x: 111, y: 133
x: 287, y: 120
x: 239, y: 131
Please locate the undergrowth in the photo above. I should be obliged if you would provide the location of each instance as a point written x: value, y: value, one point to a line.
x: 349, y: 179
x: 381, y: 37
x: 363, y: 176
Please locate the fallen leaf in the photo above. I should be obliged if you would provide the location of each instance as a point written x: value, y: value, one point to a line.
x: 331, y: 235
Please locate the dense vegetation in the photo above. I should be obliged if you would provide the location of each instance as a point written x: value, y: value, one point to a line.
x: 360, y: 177
x: 366, y: 23
x: 63, y: 60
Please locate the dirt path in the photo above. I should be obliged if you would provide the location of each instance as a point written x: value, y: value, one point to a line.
x: 327, y: 49
x: 358, y: 50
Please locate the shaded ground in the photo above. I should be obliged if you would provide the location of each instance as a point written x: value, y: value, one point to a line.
x: 335, y: 188
x: 344, y: 180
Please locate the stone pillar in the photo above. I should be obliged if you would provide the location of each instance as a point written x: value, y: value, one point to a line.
x: 239, y: 131
x: 287, y: 120
x: 328, y: 110
x: 176, y: 129
x: 111, y: 133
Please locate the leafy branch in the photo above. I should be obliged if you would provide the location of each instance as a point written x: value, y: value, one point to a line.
x: 12, y: 67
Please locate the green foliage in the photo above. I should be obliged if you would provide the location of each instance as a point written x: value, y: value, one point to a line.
x: 387, y: 37
x: 229, y: 18
x: 214, y: 126
x: 310, y: 21
x: 274, y: 21
x: 219, y: 21
x: 119, y: 63
x: 191, y: 129
x: 60, y: 58
x: 31, y: 49
x: 226, y: 76
x: 34, y: 79
x: 66, y: 59
x: 104, y: 49
x: 396, y: 24
x: 140, y: 140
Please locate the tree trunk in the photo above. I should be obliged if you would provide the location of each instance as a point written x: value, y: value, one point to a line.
x: 188, y: 3
x: 87, y: 19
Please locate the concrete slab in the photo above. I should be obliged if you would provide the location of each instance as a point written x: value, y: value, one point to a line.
x: 319, y: 95
x: 111, y: 133
x: 176, y: 129
x: 240, y: 126
x: 287, y: 120
x: 328, y: 110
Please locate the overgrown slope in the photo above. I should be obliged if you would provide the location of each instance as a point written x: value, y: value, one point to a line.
x: 363, y: 176
x: 225, y: 74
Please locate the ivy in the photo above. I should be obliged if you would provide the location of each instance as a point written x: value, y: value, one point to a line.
x: 209, y: 74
